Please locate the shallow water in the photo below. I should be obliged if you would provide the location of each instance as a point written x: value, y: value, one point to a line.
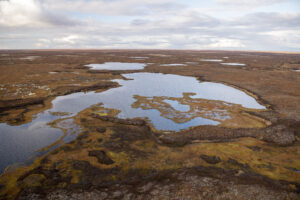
x: 178, y: 106
x: 234, y: 64
x: 29, y: 57
x: 173, y: 64
x: 117, y: 66
x: 212, y: 60
x: 160, y: 55
x: 139, y: 58
x: 18, y: 143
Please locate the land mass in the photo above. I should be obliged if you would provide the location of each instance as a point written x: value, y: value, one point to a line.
x: 253, y: 156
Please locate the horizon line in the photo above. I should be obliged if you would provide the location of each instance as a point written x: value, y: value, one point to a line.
x: 124, y: 49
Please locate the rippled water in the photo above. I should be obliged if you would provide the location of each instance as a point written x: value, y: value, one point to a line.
x: 18, y: 143
x: 117, y: 66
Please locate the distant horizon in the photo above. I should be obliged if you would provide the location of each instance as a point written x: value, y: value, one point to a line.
x: 132, y: 49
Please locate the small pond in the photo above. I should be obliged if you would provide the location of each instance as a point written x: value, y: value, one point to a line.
x: 117, y: 66
x: 173, y: 64
x: 211, y: 60
x: 234, y: 64
x: 139, y: 57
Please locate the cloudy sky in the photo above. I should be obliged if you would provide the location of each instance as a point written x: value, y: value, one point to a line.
x: 151, y: 24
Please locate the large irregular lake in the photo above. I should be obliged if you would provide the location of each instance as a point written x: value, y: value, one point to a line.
x: 168, y: 102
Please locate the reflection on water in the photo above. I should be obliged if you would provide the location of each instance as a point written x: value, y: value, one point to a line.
x: 166, y: 85
x: 212, y: 60
x: 173, y: 64
x: 29, y: 57
x: 117, y: 66
x: 178, y: 106
x: 156, y: 84
x: 139, y: 58
x: 18, y: 143
x: 234, y: 64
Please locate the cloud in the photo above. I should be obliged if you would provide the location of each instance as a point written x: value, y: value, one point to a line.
x: 145, y: 24
x: 271, y: 20
x: 70, y: 39
x: 114, y: 7
x: 283, y: 37
x: 43, y: 43
x: 29, y: 13
x: 249, y: 3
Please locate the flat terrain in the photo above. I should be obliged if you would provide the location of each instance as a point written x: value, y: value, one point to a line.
x: 254, y: 156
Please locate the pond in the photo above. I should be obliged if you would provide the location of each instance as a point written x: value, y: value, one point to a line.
x: 234, y: 64
x: 139, y: 57
x: 117, y: 66
x: 168, y: 102
x: 173, y: 64
x: 211, y: 60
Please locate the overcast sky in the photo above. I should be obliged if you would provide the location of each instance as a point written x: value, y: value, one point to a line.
x: 161, y: 24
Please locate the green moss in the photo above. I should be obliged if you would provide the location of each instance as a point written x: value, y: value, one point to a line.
x: 33, y: 180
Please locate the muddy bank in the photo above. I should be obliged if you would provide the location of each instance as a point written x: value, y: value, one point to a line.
x: 61, y: 90
x: 64, y: 90
x: 19, y: 111
x: 278, y: 134
x: 16, y: 103
x: 281, y: 133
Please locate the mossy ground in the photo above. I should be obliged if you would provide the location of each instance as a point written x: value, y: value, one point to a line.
x: 132, y: 147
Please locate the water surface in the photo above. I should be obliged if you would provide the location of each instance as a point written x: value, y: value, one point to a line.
x: 212, y: 60
x: 234, y: 64
x: 18, y: 143
x: 117, y: 66
x: 178, y: 106
x: 167, y: 85
x: 173, y: 64
x: 139, y: 57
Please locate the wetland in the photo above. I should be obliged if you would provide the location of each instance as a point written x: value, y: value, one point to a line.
x: 126, y: 129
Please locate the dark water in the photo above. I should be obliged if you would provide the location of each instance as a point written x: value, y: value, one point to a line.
x: 19, y: 143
